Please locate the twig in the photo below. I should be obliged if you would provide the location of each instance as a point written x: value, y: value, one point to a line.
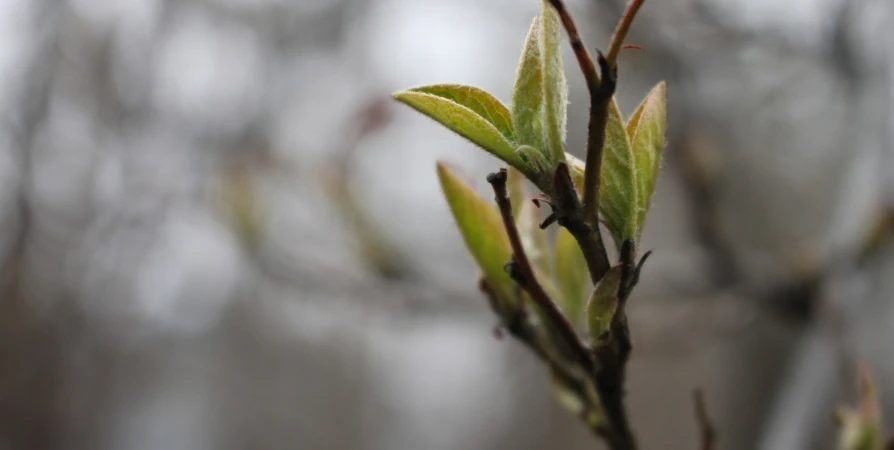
x: 601, y: 86
x: 708, y: 433
x: 620, y: 34
x: 577, y: 44
x: 528, y: 279
x: 611, y: 358
x: 587, y: 236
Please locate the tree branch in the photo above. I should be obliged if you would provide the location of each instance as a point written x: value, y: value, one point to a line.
x: 620, y: 34
x: 708, y: 434
x: 588, y: 238
x: 523, y: 273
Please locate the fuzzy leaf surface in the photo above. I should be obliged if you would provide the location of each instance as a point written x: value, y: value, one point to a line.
x: 603, y: 304
x: 527, y: 94
x: 572, y: 276
x: 618, y: 186
x: 647, y: 129
x: 476, y: 99
x: 463, y: 121
x: 555, y: 87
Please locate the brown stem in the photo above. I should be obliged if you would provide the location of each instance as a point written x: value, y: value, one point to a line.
x: 600, y: 95
x: 588, y: 238
x: 708, y: 436
x: 611, y: 358
x: 617, y: 42
x: 577, y: 44
x: 528, y: 279
x: 600, y: 99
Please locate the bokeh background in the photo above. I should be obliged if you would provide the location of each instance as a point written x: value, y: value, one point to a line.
x: 217, y: 232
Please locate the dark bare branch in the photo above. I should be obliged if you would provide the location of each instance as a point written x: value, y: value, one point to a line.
x: 708, y: 435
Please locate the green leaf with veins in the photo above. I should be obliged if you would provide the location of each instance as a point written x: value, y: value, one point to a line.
x: 465, y: 122
x: 482, y: 102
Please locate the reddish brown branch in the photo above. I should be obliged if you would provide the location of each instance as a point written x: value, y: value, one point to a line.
x: 584, y: 60
x: 708, y: 435
x: 621, y: 30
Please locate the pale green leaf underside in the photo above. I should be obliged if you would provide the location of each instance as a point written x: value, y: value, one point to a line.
x: 555, y: 88
x: 618, y: 186
x: 478, y: 100
x: 463, y: 121
x: 603, y: 303
x: 482, y: 230
x: 527, y: 94
x: 648, y: 141
x: 572, y: 276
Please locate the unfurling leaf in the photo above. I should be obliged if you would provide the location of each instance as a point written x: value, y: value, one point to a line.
x: 576, y: 169
x: 464, y: 121
x: 534, y: 240
x: 555, y: 88
x: 482, y: 230
x: 527, y: 95
x: 478, y: 100
x: 572, y: 276
x: 535, y: 161
x: 646, y: 130
x: 516, y: 186
x: 603, y: 305
x: 618, y: 186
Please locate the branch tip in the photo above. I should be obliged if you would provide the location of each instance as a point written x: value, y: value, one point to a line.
x: 708, y: 435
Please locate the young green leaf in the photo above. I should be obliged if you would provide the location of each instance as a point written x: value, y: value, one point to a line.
x: 527, y: 95
x: 536, y: 164
x: 463, y: 121
x: 618, y: 186
x: 516, y: 186
x: 646, y: 129
x: 576, y: 169
x: 571, y: 277
x: 534, y: 240
x: 482, y: 230
x: 555, y: 88
x: 476, y: 99
x: 603, y: 304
